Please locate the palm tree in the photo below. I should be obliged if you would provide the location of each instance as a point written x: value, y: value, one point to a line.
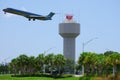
x: 107, y: 53
x: 14, y: 65
x: 31, y: 66
x: 81, y: 61
x: 114, y: 60
x: 88, y: 60
x: 60, y: 62
x: 70, y: 66
x: 49, y: 60
x: 84, y: 60
x: 40, y: 60
x: 100, y: 63
x: 4, y: 68
x: 23, y: 62
x: 93, y: 58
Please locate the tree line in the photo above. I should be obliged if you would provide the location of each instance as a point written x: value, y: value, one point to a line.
x: 100, y: 64
x: 94, y: 64
x: 50, y: 63
x: 29, y: 65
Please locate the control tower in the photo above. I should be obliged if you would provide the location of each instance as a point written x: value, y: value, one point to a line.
x: 69, y: 30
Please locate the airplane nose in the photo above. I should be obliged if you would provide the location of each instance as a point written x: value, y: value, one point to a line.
x: 4, y: 9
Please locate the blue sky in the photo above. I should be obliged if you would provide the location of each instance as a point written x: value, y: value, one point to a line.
x: 98, y: 18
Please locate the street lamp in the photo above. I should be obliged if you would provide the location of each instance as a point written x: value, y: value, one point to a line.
x: 44, y: 55
x: 47, y: 50
x: 83, y: 45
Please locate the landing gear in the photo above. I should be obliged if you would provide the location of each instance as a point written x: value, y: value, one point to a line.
x: 29, y: 19
x: 4, y: 12
x: 33, y: 19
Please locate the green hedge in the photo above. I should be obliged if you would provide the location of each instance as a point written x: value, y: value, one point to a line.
x: 85, y: 78
x: 44, y: 75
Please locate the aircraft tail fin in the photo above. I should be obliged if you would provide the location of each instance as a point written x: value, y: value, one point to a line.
x: 50, y: 15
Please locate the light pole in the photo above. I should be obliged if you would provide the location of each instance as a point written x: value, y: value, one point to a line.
x: 44, y: 55
x: 83, y: 46
x: 47, y: 50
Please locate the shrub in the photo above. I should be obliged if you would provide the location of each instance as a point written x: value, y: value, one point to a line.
x: 67, y: 75
x: 111, y: 77
x: 85, y: 78
x: 44, y: 75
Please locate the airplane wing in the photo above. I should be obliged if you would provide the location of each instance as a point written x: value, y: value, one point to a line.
x: 34, y: 16
x: 37, y: 17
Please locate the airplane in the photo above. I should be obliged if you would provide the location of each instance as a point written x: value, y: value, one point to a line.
x: 29, y: 15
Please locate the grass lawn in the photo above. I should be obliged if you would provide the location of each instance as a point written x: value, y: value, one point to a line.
x: 8, y: 77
